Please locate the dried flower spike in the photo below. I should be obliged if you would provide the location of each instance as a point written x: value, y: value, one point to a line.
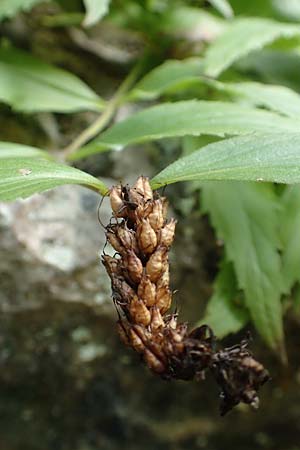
x: 139, y: 274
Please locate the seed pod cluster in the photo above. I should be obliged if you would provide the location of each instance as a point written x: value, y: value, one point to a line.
x: 141, y: 236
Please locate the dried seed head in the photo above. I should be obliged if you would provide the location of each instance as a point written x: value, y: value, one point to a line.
x: 134, y: 266
x: 123, y: 289
x: 116, y: 200
x: 156, y: 318
x: 139, y: 313
x: 163, y: 299
x: 142, y: 186
x: 153, y: 362
x: 164, y: 279
x: 157, y: 263
x: 167, y: 233
x: 146, y: 237
x: 155, y: 217
x: 147, y: 291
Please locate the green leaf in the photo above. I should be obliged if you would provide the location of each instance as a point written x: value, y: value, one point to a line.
x: 170, y: 74
x: 259, y: 157
x: 8, y: 8
x: 188, y: 118
x: 12, y: 150
x: 277, y: 98
x: 242, y: 37
x: 24, y: 176
x: 223, y: 313
x: 223, y: 7
x: 29, y: 85
x: 290, y: 226
x: 245, y: 216
x: 95, y: 10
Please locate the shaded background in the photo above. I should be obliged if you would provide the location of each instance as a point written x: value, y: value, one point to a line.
x: 66, y: 383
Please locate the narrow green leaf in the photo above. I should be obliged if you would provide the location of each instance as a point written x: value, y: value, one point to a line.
x: 223, y: 313
x: 245, y: 216
x: 188, y: 118
x: 170, y: 74
x: 242, y: 37
x: 290, y: 227
x: 29, y: 85
x: 95, y: 10
x: 277, y: 98
x: 22, y: 177
x: 259, y: 157
x: 12, y: 150
x: 223, y: 6
x: 8, y: 8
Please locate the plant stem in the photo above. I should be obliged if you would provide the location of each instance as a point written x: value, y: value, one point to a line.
x: 111, y: 106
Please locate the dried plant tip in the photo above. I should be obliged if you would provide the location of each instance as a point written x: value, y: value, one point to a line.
x: 153, y: 362
x: 142, y: 186
x: 139, y: 313
x: 116, y: 200
x: 167, y: 233
x: 134, y: 266
x: 155, y: 217
x: 147, y: 291
x: 146, y: 237
x: 156, y: 319
x: 157, y: 264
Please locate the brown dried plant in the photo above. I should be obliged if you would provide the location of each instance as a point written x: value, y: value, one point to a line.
x: 139, y: 271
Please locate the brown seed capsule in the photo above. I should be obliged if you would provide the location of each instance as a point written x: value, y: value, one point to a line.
x: 155, y: 217
x: 157, y: 263
x: 163, y: 299
x: 116, y: 201
x: 153, y: 362
x: 156, y: 318
x: 141, y: 331
x: 111, y: 264
x: 136, y: 341
x: 133, y: 265
x: 127, y: 238
x: 138, y: 311
x: 142, y: 185
x: 123, y: 288
x: 121, y: 328
x: 146, y: 291
x: 164, y: 279
x: 114, y: 241
x: 165, y: 205
x: 146, y: 237
x: 167, y: 233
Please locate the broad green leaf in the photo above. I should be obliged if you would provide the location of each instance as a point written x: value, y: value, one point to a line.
x: 12, y: 150
x: 223, y: 6
x: 277, y: 98
x: 259, y: 157
x: 188, y: 118
x: 22, y: 177
x: 288, y: 9
x: 224, y: 314
x: 8, y: 8
x: 29, y: 85
x: 170, y: 74
x: 95, y: 10
x: 245, y: 216
x: 289, y: 228
x: 240, y: 38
